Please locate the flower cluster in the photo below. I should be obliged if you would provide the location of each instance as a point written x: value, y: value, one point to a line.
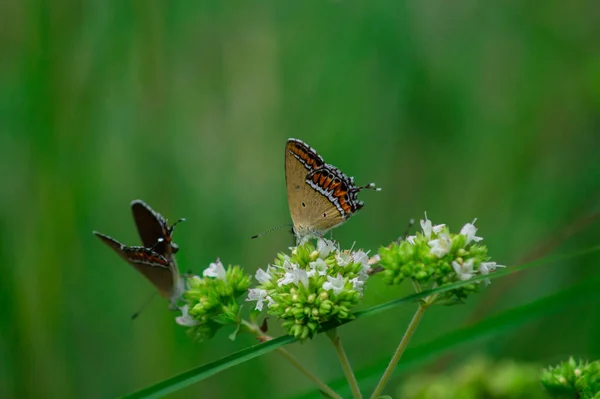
x: 436, y: 257
x: 210, y: 301
x: 573, y: 379
x: 311, y: 286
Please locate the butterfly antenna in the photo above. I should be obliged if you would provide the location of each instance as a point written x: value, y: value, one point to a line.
x: 270, y: 230
x: 370, y: 186
x: 175, y: 224
x: 143, y: 307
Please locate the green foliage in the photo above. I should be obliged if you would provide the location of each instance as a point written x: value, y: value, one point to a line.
x: 477, y: 378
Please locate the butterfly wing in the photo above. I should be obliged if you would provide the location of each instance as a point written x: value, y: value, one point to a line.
x: 152, y: 227
x: 336, y: 202
x: 152, y: 265
x: 300, y: 159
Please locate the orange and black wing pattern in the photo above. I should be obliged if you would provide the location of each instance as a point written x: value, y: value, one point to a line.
x: 305, y: 154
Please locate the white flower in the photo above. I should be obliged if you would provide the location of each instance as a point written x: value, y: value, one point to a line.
x: 215, y: 270
x: 262, y: 276
x: 411, y: 239
x: 325, y: 247
x: 288, y: 265
x: 469, y: 231
x: 319, y: 266
x: 357, y: 284
x: 440, y: 246
x: 185, y: 319
x: 361, y: 257
x: 426, y: 226
x: 334, y: 283
x: 260, y: 296
x: 343, y: 259
x: 464, y: 271
x: 486, y: 268
x: 294, y: 276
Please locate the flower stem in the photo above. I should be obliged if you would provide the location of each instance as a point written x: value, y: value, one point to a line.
x: 337, y: 344
x: 410, y: 330
x: 292, y: 359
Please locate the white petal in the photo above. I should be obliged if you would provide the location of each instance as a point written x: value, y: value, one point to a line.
x: 319, y: 266
x: 456, y: 267
x: 343, y: 259
x: 469, y: 231
x: 259, y: 296
x: 440, y: 246
x: 361, y: 257
x: 438, y: 227
x: 411, y: 239
x: 286, y: 279
x: 357, y: 284
x: 288, y: 265
x: 262, y: 276
x: 325, y: 247
x: 215, y: 270
x: 427, y: 227
x: 185, y: 319
x: 335, y: 284
x: 302, y: 277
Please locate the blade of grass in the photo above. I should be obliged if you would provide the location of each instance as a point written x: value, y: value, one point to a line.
x: 510, y: 319
x: 197, y: 374
x: 189, y: 377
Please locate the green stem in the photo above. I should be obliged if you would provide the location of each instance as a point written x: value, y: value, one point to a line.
x: 254, y: 329
x: 410, y: 330
x: 337, y: 344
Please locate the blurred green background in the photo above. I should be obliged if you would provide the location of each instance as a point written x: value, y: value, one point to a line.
x: 461, y: 109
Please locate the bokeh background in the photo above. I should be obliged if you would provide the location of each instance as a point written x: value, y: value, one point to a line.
x: 461, y: 109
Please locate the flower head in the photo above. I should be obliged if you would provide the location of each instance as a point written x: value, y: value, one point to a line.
x: 435, y: 257
x: 312, y: 285
x: 210, y: 302
x: 571, y: 378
